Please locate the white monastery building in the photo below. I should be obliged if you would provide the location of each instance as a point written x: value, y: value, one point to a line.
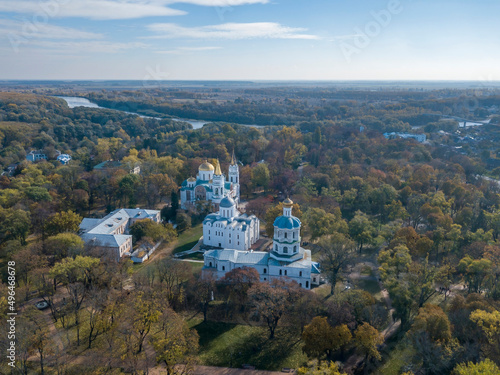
x: 287, y: 258
x: 230, y: 229
x: 111, y: 232
x: 211, y: 185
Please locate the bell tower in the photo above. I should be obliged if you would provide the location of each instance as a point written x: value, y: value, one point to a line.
x: 234, y: 177
x: 218, y: 184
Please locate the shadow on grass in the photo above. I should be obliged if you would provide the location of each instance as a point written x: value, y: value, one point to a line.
x: 210, y: 331
x: 370, y: 285
x: 187, y: 246
x: 255, y: 348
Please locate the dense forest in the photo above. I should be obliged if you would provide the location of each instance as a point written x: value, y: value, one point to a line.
x: 407, y: 233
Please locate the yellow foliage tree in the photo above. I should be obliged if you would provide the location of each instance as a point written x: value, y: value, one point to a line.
x: 367, y: 338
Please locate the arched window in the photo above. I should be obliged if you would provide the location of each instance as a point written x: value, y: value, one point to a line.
x: 293, y: 234
x: 210, y: 264
x: 276, y: 247
x: 285, y: 250
x: 223, y: 268
x: 285, y: 272
x: 300, y: 273
x: 295, y: 249
x: 307, y: 284
x: 265, y: 270
x: 216, y: 191
x: 281, y: 272
x: 286, y: 235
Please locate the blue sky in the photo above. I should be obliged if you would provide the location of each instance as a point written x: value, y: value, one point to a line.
x: 250, y: 39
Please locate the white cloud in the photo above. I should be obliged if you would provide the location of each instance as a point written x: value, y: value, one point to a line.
x: 27, y: 29
x: 84, y: 47
x: 232, y: 31
x: 93, y: 9
x: 182, y: 50
x: 110, y: 9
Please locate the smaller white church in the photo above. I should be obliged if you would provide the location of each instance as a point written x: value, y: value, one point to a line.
x: 286, y: 259
x: 228, y: 228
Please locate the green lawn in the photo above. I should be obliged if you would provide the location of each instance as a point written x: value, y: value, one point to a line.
x: 188, y: 239
x: 232, y: 345
x: 399, y: 357
x: 196, y: 266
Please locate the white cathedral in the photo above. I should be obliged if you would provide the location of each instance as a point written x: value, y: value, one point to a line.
x: 211, y: 185
x: 286, y: 259
x: 228, y: 228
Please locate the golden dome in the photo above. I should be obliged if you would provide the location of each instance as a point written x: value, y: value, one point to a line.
x: 206, y: 167
x: 288, y: 202
x: 191, y: 179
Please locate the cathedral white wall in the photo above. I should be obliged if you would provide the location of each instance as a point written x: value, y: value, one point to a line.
x: 228, y: 238
x: 266, y: 273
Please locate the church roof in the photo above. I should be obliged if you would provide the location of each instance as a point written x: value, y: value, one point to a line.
x: 239, y: 256
x: 240, y: 221
x: 315, y: 268
x: 227, y: 202
x: 287, y: 222
x: 206, y: 167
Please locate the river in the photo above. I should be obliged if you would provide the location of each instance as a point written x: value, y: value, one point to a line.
x: 74, y: 101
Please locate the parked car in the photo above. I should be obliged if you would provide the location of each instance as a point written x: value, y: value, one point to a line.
x: 41, y: 305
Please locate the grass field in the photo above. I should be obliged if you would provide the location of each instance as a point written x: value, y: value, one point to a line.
x: 232, y: 345
x: 399, y: 359
x: 188, y: 239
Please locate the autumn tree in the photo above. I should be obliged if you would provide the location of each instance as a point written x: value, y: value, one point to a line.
x: 238, y: 281
x: 323, y: 368
x: 432, y: 340
x: 147, y: 228
x: 361, y: 230
x: 486, y: 367
x: 176, y: 344
x: 60, y: 222
x: 367, y: 339
x: 336, y: 252
x: 77, y: 275
x: 171, y: 274
x: 489, y: 322
x: 261, y: 175
x: 475, y: 272
x: 63, y: 244
x: 320, y: 338
x: 319, y: 223
x: 272, y: 300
